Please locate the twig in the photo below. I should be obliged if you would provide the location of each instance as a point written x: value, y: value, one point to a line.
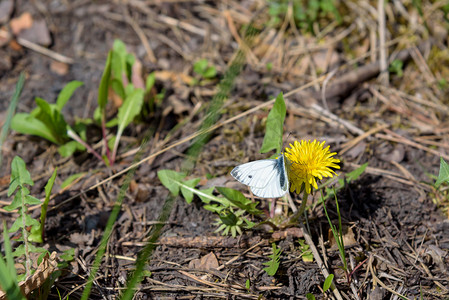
x: 383, y: 50
x: 377, y: 280
x: 44, y: 51
x: 140, y: 34
x: 348, y: 145
x: 394, y: 137
x: 318, y: 260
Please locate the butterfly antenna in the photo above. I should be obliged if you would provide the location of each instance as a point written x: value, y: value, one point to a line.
x: 283, y: 143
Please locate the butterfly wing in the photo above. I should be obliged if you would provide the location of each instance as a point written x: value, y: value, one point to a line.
x: 267, y: 177
x: 255, y: 173
x: 277, y: 182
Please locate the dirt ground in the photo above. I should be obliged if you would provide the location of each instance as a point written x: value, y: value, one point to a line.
x: 398, y: 227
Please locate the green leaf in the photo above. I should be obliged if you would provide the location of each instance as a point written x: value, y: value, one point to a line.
x: 126, y: 113
x: 354, y: 175
x: 30, y: 200
x: 396, y: 67
x: 169, y: 179
x: 187, y: 193
x: 71, y: 179
x: 130, y: 108
x: 35, y: 235
x: 19, y: 175
x: 275, y: 126
x: 206, y: 195
x: 11, y: 110
x: 273, y: 264
x: 27, y: 124
x: 210, y: 72
x: 45, y: 115
x: 8, y: 275
x: 68, y: 255
x: 228, y: 218
x: 104, y: 84
x: 48, y: 189
x: 200, y: 66
x: 310, y: 296
x: 214, y: 208
x: 16, y: 225
x: 248, y: 285
x: 53, y: 120
x: 66, y: 93
x: 19, y: 251
x: 328, y: 282
x: 118, y: 62
x: 443, y: 175
x: 111, y: 123
x: 118, y: 88
x: 69, y: 148
x: 16, y: 202
x: 151, y: 79
x: 239, y: 200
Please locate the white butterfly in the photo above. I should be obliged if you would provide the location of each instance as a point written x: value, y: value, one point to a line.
x: 267, y: 178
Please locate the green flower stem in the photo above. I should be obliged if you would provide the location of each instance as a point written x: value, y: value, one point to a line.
x: 302, y: 208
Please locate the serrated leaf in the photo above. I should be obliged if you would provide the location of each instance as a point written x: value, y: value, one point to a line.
x: 19, y: 172
x: 170, y: 179
x: 207, y: 195
x: 68, y: 254
x: 328, y: 282
x: 19, y: 251
x: 16, y: 202
x: 66, y: 93
x: 354, y: 175
x: 275, y: 126
x: 443, y: 175
x: 30, y: 200
x: 16, y: 225
x: 273, y: 264
x: 214, y: 208
x: 27, y: 124
x: 239, y: 200
x: 29, y: 221
x: 187, y: 193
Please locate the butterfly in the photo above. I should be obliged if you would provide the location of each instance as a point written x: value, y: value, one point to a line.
x: 267, y: 178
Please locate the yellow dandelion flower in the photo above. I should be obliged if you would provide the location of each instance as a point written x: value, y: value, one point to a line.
x: 307, y: 162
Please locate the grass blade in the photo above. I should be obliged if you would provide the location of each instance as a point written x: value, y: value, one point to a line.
x: 11, y: 111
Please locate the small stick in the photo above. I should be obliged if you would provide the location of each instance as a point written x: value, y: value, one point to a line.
x: 383, y: 50
x: 317, y: 257
x: 141, y: 36
x: 44, y: 51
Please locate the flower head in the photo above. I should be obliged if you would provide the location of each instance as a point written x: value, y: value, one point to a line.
x: 309, y: 161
